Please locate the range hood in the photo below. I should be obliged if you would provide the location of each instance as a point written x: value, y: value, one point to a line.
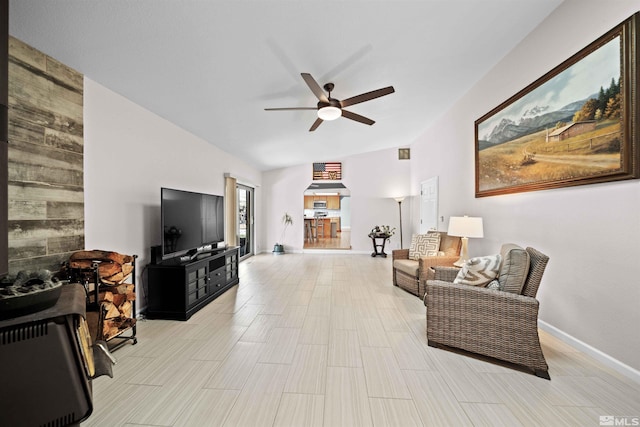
x: 327, y: 189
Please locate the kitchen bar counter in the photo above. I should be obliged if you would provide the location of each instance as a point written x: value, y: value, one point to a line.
x: 314, y: 228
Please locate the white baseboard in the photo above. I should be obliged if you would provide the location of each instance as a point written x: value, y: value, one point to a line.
x: 322, y: 251
x: 334, y: 251
x: 600, y: 356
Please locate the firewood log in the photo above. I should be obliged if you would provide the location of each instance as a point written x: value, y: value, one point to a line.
x: 118, y: 299
x: 126, y: 309
x: 106, y: 269
x: 127, y: 269
x: 109, y: 329
x: 100, y: 255
x: 124, y: 288
x: 111, y: 310
x: 117, y: 278
x: 128, y: 323
x: 107, y: 296
x: 81, y: 263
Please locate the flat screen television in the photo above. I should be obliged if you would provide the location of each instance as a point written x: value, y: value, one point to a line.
x: 191, y: 222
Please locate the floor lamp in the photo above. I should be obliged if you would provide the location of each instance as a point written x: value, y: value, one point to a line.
x: 399, y: 200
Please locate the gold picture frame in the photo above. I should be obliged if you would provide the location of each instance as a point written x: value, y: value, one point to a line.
x: 576, y: 125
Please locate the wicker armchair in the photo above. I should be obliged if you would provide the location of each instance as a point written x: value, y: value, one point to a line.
x: 412, y: 275
x: 493, y: 323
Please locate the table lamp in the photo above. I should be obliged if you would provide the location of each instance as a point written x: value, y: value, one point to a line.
x: 465, y: 227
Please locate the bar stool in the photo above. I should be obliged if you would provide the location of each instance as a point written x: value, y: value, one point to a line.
x: 309, y: 231
x: 319, y: 225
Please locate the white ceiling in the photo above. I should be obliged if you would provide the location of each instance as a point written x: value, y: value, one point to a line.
x: 211, y: 67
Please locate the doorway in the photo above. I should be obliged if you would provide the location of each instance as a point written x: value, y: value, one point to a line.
x: 327, y: 216
x: 245, y: 212
x: 429, y: 205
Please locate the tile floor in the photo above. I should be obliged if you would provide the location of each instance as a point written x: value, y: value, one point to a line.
x: 326, y: 340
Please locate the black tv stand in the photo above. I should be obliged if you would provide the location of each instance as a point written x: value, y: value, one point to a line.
x: 178, y: 289
x: 207, y: 253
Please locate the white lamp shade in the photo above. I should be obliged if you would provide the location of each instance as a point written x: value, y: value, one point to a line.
x: 329, y: 113
x: 465, y: 226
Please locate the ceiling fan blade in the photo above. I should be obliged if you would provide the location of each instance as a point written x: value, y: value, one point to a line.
x: 367, y: 96
x: 291, y: 108
x: 357, y: 117
x: 315, y: 124
x: 315, y: 87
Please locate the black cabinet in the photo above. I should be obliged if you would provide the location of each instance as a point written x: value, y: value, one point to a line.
x: 177, y: 290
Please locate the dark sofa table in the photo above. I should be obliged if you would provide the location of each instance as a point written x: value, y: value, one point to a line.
x: 378, y: 248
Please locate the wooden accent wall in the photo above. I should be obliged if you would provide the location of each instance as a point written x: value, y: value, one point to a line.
x: 46, y: 194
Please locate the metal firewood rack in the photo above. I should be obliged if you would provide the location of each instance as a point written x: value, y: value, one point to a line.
x: 90, y: 279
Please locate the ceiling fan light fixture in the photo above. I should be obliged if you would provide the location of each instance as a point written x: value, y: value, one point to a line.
x: 330, y: 108
x: 329, y: 112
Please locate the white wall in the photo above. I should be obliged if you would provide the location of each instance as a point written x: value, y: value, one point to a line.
x: 345, y: 212
x: 590, y: 290
x: 373, y: 180
x: 129, y: 153
x: 591, y: 233
x: 283, y: 193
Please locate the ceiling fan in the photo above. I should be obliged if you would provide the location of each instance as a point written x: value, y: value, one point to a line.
x: 330, y: 108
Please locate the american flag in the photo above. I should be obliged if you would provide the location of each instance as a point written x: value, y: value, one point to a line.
x: 330, y: 171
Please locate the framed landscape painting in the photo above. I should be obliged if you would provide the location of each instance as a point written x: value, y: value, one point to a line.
x: 578, y: 124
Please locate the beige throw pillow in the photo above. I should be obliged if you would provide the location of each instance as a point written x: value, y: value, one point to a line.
x: 479, y: 271
x: 514, y: 269
x: 424, y: 245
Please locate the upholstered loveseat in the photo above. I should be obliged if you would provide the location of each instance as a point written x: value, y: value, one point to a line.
x: 500, y: 321
x: 411, y: 269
